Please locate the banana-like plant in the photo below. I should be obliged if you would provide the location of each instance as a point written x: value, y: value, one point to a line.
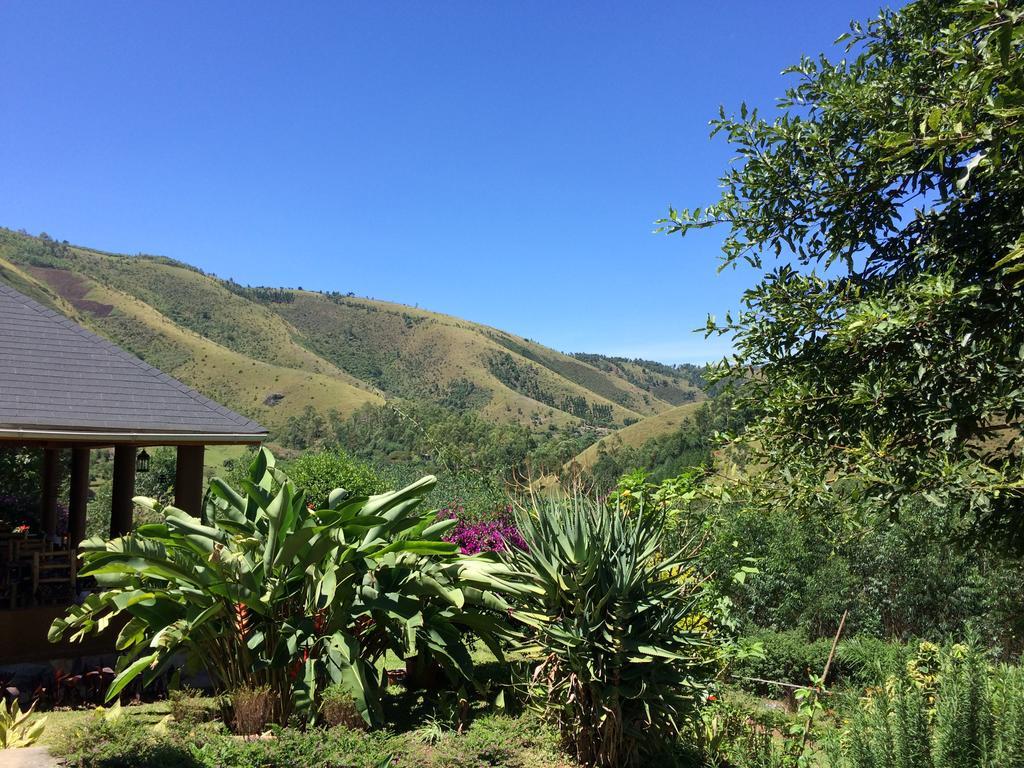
x: 626, y: 657
x: 266, y: 591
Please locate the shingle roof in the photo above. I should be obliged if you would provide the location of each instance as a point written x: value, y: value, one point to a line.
x: 57, y: 376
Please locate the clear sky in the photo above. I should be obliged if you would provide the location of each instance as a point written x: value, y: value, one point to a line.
x: 503, y: 162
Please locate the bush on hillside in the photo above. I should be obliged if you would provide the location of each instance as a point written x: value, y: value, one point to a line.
x: 902, y: 575
x: 321, y: 472
x: 787, y: 657
x: 791, y: 657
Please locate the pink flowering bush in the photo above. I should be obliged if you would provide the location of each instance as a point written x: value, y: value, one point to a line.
x: 493, y: 534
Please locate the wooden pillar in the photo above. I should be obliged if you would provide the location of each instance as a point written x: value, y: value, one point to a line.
x: 188, y: 479
x: 50, y: 491
x: 78, y: 496
x: 121, y: 507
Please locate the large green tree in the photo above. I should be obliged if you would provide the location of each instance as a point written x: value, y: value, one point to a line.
x: 882, y: 209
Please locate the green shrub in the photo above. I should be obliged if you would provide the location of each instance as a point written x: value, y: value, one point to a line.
x: 902, y: 573
x: 1007, y: 702
x: 625, y: 650
x: 492, y: 740
x: 961, y: 714
x: 482, y: 496
x: 191, y: 707
x: 291, y: 748
x: 867, y: 661
x: 788, y: 657
x: 732, y: 739
x: 268, y: 592
x: 339, y: 708
x: 119, y: 743
x: 320, y: 473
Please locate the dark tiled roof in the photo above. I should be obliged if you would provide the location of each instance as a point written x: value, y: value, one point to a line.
x: 55, y: 375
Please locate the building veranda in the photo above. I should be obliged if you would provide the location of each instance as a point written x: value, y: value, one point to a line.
x: 65, y: 392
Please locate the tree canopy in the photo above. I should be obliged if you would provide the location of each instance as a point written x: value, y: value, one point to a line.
x: 883, y: 211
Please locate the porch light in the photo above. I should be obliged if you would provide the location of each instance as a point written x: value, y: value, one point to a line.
x: 142, y: 461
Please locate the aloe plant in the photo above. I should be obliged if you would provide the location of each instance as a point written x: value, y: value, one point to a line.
x: 625, y: 654
x: 268, y: 592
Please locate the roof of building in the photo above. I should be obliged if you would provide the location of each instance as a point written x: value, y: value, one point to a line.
x: 60, y: 382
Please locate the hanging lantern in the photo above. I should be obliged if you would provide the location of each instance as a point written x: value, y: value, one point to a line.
x: 142, y: 461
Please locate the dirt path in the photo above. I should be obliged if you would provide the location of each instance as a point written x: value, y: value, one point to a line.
x: 29, y: 757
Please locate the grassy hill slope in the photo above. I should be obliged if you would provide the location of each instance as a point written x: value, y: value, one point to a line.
x: 672, y: 384
x: 413, y: 353
x: 270, y: 353
x: 637, y: 434
x: 241, y: 382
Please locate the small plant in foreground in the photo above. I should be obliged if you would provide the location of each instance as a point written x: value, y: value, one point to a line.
x: 16, y: 730
x: 252, y: 709
x: 733, y: 737
x: 954, y: 712
x: 339, y: 708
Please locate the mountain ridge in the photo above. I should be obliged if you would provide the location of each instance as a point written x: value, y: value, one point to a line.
x: 271, y: 353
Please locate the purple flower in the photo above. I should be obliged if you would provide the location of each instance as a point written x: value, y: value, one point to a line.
x: 483, y: 535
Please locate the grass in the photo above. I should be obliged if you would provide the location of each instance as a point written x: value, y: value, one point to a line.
x: 142, y: 737
x: 412, y: 726
x: 413, y: 353
x: 413, y: 735
x: 610, y: 388
x: 62, y: 724
x: 216, y: 455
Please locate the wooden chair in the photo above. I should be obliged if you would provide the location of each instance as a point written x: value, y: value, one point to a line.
x: 56, y: 567
x: 24, y: 549
x: 16, y: 563
x: 9, y: 585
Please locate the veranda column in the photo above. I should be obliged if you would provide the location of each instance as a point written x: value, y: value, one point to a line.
x: 50, y: 491
x: 188, y: 479
x: 78, y: 496
x: 124, y: 490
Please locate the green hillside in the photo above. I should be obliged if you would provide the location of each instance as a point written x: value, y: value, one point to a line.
x: 243, y: 383
x: 678, y: 384
x: 270, y: 353
x: 637, y: 434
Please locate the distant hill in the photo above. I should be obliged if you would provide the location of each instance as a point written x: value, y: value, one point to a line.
x: 676, y: 384
x: 637, y: 434
x: 271, y: 352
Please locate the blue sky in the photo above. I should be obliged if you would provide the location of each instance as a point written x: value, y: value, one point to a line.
x: 499, y: 162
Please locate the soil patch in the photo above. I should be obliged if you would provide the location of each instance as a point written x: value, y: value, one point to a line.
x: 71, y: 287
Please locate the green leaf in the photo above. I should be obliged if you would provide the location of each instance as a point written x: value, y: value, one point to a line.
x: 128, y: 674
